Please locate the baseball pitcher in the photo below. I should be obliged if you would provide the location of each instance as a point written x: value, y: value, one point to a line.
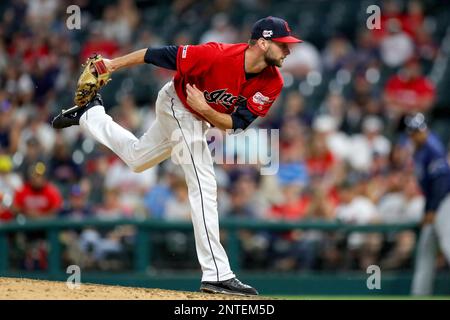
x: 224, y: 85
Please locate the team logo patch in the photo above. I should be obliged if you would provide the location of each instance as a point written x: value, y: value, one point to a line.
x: 184, y: 53
x: 267, y: 33
x: 259, y: 98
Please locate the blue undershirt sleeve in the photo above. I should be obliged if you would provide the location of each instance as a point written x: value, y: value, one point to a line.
x: 242, y: 117
x: 165, y: 57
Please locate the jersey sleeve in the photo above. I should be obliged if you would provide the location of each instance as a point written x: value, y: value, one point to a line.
x: 192, y: 59
x: 261, y: 101
x: 165, y: 57
x: 242, y: 117
x: 438, y: 173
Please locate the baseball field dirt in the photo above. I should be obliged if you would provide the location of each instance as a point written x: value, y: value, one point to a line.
x: 27, y: 289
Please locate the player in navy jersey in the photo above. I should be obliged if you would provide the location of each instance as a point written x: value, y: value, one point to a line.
x: 433, y: 173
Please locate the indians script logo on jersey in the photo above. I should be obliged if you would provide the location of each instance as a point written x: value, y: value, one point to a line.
x: 224, y: 98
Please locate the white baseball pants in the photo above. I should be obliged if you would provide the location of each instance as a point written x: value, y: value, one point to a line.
x: 155, y: 146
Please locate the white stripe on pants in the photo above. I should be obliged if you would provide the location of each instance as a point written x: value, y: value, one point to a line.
x: 155, y: 146
x: 432, y: 238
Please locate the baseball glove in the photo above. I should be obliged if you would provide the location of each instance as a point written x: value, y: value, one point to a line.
x: 94, y: 76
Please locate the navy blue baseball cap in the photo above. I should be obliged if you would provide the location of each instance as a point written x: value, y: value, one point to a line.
x: 415, y: 123
x: 275, y: 29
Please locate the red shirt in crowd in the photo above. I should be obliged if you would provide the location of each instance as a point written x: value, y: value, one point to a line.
x: 5, y: 213
x: 320, y: 164
x: 218, y: 70
x: 44, y: 201
x: 411, y: 94
x: 291, y: 211
x: 107, y: 48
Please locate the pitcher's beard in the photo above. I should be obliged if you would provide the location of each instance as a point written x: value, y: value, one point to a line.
x: 273, y: 62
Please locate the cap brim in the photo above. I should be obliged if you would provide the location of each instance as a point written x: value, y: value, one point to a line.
x: 287, y: 39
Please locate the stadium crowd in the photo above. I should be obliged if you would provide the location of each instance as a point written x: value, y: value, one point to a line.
x: 343, y: 156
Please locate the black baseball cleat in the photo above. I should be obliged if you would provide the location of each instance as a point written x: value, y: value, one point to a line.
x: 71, y: 117
x: 231, y: 286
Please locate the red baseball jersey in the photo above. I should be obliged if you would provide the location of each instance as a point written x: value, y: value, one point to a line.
x: 217, y: 69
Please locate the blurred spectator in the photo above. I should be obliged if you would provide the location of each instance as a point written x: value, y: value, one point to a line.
x: 390, y: 9
x: 320, y: 160
x: 105, y: 250
x: 414, y: 18
x: 246, y: 199
x: 325, y: 130
x: 77, y: 206
x: 292, y: 140
x: 337, y: 54
x: 10, y: 182
x: 9, y: 130
x: 98, y: 43
x: 397, y: 46
x: 156, y: 199
x: 38, y: 198
x: 18, y: 83
x: 131, y: 185
x: 39, y: 129
x: 367, y: 145
x: 223, y: 185
x: 426, y: 47
x: 334, y: 105
x: 409, y: 91
x: 148, y: 38
x: 294, y: 206
x: 111, y: 208
x: 127, y: 114
x: 304, y: 58
x: 116, y: 26
x: 400, y: 158
x: 221, y: 30
x: 130, y: 13
x: 294, y: 108
x: 367, y: 53
x: 108, y: 249
x: 355, y: 208
x: 178, y: 207
x: 294, y: 249
x: 323, y: 202
x: 32, y: 154
x: 41, y: 12
x: 363, y: 100
x: 403, y: 204
x: 64, y: 169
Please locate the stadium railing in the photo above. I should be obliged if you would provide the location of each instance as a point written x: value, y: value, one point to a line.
x: 142, y: 256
